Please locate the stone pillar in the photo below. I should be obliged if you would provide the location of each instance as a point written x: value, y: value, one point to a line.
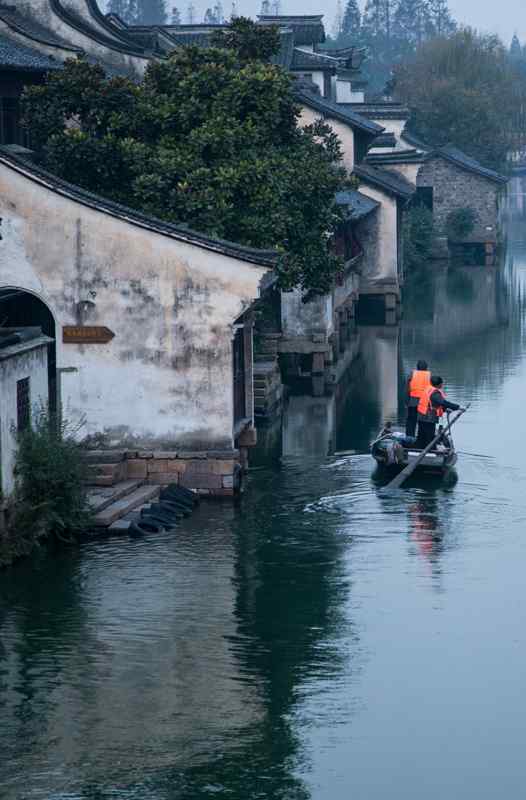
x: 248, y: 342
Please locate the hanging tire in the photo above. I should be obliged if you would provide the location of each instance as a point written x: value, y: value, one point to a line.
x: 184, y: 493
x: 150, y: 524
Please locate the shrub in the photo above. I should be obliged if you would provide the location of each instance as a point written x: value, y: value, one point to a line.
x: 460, y: 223
x: 50, y: 497
x: 418, y: 232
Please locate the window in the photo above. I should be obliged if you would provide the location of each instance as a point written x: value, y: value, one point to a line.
x: 23, y: 404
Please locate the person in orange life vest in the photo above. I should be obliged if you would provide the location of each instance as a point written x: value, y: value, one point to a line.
x: 430, y: 409
x: 417, y: 383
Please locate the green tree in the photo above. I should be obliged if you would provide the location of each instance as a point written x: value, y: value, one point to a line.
x: 418, y: 233
x: 442, y: 23
x: 351, y: 20
x: 150, y: 12
x: 209, y: 138
x: 125, y: 9
x: 461, y: 90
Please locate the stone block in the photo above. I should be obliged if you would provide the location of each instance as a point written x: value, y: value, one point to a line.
x: 195, y: 466
x: 228, y: 481
x: 158, y: 465
x: 163, y: 478
x: 192, y: 454
x: 176, y: 466
x: 136, y: 468
x: 201, y: 480
x: 223, y: 467
x: 144, y: 454
x: 248, y: 437
x: 165, y: 454
x: 222, y: 492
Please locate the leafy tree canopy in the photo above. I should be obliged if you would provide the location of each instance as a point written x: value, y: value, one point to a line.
x: 461, y: 89
x: 209, y: 138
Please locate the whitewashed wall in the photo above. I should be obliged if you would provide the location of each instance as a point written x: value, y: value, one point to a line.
x: 344, y: 132
x: 166, y: 377
x: 385, y: 267
x: 28, y: 360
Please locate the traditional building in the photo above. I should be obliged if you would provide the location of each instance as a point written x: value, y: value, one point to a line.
x: 152, y: 325
x: 445, y: 180
x: 24, y: 388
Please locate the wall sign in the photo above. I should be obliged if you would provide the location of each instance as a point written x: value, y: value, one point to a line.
x: 86, y: 334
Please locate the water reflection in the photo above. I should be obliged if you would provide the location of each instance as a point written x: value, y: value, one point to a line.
x: 320, y: 641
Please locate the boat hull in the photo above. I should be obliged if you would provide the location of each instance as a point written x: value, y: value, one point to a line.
x: 394, y: 452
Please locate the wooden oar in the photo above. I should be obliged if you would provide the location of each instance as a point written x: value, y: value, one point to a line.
x: 408, y: 471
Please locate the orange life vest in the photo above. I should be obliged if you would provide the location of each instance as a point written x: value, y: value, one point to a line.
x: 420, y: 380
x: 427, y: 412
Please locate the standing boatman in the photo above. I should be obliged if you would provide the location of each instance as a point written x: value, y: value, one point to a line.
x: 431, y: 409
x: 417, y: 383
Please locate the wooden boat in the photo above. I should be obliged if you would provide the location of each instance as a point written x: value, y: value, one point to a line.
x: 393, y: 450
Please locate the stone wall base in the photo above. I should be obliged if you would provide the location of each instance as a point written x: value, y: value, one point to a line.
x: 216, y: 473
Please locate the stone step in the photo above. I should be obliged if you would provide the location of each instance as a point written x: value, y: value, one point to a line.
x: 104, y: 456
x: 101, y: 498
x: 106, y: 474
x: 120, y: 508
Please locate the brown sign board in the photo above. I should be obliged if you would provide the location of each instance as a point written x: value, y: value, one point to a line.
x: 86, y: 334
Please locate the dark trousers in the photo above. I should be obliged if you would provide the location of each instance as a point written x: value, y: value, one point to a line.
x: 426, y: 434
x: 410, y: 424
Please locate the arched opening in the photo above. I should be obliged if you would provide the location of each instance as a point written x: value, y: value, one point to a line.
x: 23, y: 309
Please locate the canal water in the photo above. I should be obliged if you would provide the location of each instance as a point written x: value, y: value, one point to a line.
x: 320, y: 641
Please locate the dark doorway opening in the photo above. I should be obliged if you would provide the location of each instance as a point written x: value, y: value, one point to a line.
x: 22, y: 309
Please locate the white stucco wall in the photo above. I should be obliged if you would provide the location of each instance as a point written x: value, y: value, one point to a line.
x: 385, y: 268
x: 299, y: 319
x: 408, y: 171
x: 166, y: 377
x: 344, y: 132
x: 395, y: 126
x: 28, y: 360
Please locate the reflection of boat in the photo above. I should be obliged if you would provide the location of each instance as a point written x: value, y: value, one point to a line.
x: 393, y: 450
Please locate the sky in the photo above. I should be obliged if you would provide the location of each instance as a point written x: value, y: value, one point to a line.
x: 504, y: 17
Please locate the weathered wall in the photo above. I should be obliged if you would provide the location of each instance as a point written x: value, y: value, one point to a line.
x: 165, y: 380
x: 28, y: 360
x: 407, y: 171
x: 395, y: 126
x: 457, y: 188
x: 385, y: 267
x: 305, y: 319
x: 344, y: 132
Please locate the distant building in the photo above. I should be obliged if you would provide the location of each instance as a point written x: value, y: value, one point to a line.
x: 446, y: 179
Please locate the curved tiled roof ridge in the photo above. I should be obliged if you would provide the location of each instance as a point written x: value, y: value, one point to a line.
x: 31, y: 29
x: 80, y: 25
x: 336, y: 111
x: 91, y: 200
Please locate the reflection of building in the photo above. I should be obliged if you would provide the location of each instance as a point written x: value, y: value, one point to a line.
x: 309, y: 426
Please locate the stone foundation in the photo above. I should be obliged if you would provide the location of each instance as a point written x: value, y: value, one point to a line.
x: 217, y: 473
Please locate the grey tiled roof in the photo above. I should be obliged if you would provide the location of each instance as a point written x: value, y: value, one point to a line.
x: 358, y: 204
x: 381, y: 110
x: 30, y: 27
x: 15, y: 56
x: 409, y: 156
x: 307, y: 29
x: 286, y: 49
x: 303, y: 60
x: 180, y: 232
x: 456, y: 156
x: 339, y: 111
x: 385, y: 179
